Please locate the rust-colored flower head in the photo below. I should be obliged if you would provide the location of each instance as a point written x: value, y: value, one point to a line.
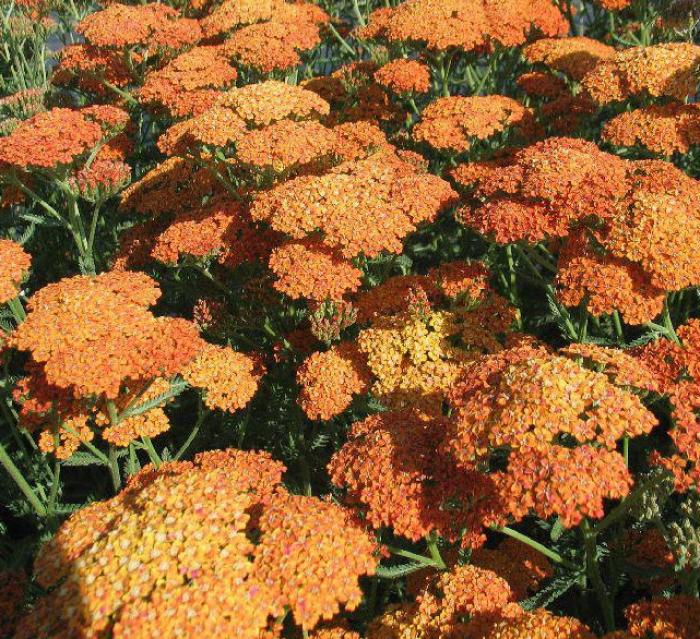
x: 93, y: 333
x: 470, y: 25
x: 675, y: 618
x: 404, y: 76
x: 541, y: 84
x: 272, y: 46
x: 231, y: 14
x: 14, y: 266
x: 302, y: 538
x: 523, y: 404
x: 453, y: 123
x: 659, y: 70
x: 614, y: 5
x: 228, y: 378
x: 102, y: 180
x: 58, y: 137
x: 362, y: 206
x: 571, y: 483
x: 308, y: 269
x: 521, y: 566
x: 177, y: 185
x: 171, y: 535
x: 190, y: 83
x: 85, y: 66
x: 23, y: 104
x: 286, y: 145
x: 574, y: 56
x: 393, y: 474
x: 267, y: 102
x: 666, y: 129
x: 541, y: 624
x: 204, y: 232
x: 607, y: 283
x: 154, y: 25
x: 329, y: 380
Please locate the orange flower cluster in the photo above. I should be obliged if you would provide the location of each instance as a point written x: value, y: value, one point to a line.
x: 176, y: 551
x: 404, y: 76
x: 309, y: 269
x: 268, y: 102
x: 638, y: 221
x: 147, y: 25
x: 14, y: 266
x: 522, y: 567
x: 523, y: 401
x: 86, y: 66
x: 177, y: 185
x: 329, y: 380
x: 189, y: 84
x: 362, y: 207
x: 59, y: 136
x: 541, y: 624
x: 470, y: 25
x: 302, y: 538
x: 392, y: 470
x: 285, y: 145
x: 453, y: 123
x: 464, y: 602
x: 573, y: 56
x: 675, y: 618
x: 658, y: 70
x: 230, y: 379
x: 92, y: 334
x: 571, y: 483
x: 275, y: 44
x: 666, y: 129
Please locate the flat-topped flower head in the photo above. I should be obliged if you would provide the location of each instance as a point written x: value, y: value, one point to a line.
x: 404, y: 76
x: 178, y: 528
x: 453, y: 123
x: 190, y: 83
x: 364, y: 206
x: 267, y: 102
x: 574, y: 56
x: 329, y: 380
x: 470, y: 25
x: 677, y: 617
x: 14, y: 266
x: 301, y: 538
x: 308, y: 269
x: 228, y: 378
x: 121, y: 25
x: 530, y: 403
x: 94, y: 333
x: 541, y: 624
x: 658, y: 70
x: 59, y: 137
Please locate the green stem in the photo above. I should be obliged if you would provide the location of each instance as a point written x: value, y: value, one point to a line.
x: 617, y: 323
x: 536, y: 545
x: 341, y: 40
x: 435, y: 552
x: 151, y: 451
x: 593, y: 572
x: 668, y: 323
x: 113, y: 464
x: 421, y: 559
x: 17, y: 310
x: 21, y: 482
x: 193, y: 433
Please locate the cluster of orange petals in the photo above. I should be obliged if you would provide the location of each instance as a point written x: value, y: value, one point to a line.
x: 92, y: 334
x: 404, y: 76
x: 465, y: 24
x: 632, y: 223
x: 453, y: 123
x: 58, y: 137
x: 14, y: 266
x: 214, y: 545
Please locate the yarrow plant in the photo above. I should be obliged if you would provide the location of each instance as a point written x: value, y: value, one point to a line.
x: 350, y: 319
